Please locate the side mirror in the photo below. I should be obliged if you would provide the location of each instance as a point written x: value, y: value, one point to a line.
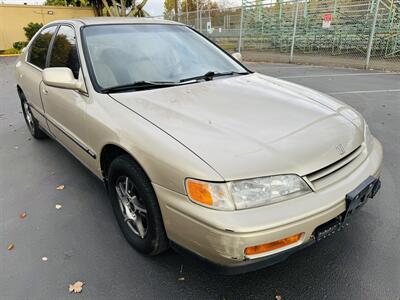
x: 62, y: 78
x: 237, y: 56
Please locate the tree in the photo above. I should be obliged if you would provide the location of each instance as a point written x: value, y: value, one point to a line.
x: 55, y: 3
x: 170, y: 9
x: 31, y: 29
x: 124, y: 8
x: 66, y: 3
x: 203, y: 5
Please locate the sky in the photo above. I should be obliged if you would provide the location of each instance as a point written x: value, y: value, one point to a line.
x: 153, y: 7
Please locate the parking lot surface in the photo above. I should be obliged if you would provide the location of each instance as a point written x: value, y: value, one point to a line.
x: 82, y: 241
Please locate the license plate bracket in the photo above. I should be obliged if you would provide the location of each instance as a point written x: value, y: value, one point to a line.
x: 360, y: 195
x: 354, y: 200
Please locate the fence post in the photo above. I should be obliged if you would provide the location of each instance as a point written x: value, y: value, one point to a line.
x: 197, y: 15
x: 201, y: 22
x: 372, y: 34
x: 241, y: 29
x: 294, y: 31
x: 187, y: 13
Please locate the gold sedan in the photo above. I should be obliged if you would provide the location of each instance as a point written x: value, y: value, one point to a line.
x: 197, y: 151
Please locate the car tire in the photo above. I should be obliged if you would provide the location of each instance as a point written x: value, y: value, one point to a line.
x: 131, y: 193
x: 31, y: 122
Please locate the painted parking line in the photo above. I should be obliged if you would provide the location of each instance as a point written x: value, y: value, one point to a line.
x: 294, y: 67
x: 283, y: 65
x: 340, y: 75
x: 364, y: 92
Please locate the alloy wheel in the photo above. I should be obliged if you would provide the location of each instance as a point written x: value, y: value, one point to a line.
x: 132, y: 208
x: 29, y: 117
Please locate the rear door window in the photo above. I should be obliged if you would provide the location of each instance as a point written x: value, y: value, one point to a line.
x: 64, y: 52
x: 40, y: 47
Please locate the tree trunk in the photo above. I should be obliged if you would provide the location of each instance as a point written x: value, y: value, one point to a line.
x: 137, y: 9
x: 123, y: 8
x: 107, y: 7
x: 176, y: 9
x: 115, y: 10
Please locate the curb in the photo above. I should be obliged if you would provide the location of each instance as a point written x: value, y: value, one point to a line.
x: 9, y: 55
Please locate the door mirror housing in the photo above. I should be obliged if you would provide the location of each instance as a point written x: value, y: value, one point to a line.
x: 237, y: 56
x: 63, y: 78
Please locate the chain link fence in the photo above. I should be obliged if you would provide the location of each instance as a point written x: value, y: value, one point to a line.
x: 351, y: 33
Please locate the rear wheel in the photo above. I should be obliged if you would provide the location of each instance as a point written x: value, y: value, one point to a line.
x: 31, y: 122
x: 135, y: 206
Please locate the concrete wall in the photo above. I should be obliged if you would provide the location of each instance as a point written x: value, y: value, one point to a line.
x: 14, y: 17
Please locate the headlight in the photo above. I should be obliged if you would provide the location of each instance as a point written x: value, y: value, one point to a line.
x: 249, y: 193
x: 267, y: 190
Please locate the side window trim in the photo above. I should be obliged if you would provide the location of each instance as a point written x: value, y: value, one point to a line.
x: 46, y: 64
x: 48, y: 58
x: 28, y: 56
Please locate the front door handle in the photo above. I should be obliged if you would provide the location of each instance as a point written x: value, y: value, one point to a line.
x: 45, y: 91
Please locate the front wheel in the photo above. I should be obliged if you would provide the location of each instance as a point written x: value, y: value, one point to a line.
x: 135, y: 206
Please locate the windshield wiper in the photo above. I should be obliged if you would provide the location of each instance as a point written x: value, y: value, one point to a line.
x: 210, y: 75
x: 148, y: 85
x: 139, y: 85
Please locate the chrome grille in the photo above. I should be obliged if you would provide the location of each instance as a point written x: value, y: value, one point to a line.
x: 336, y: 170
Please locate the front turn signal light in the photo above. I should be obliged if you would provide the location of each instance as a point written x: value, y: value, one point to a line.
x: 211, y: 194
x: 200, y: 192
x: 273, y: 245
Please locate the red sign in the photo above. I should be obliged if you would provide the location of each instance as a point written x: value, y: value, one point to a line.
x: 328, y: 17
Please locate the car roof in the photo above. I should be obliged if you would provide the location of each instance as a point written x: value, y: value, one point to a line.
x: 119, y: 20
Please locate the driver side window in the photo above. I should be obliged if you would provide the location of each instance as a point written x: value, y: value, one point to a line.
x: 64, y: 52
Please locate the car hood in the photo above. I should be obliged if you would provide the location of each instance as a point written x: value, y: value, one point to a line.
x: 253, y: 125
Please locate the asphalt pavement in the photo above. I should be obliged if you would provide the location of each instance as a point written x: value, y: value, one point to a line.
x: 82, y: 241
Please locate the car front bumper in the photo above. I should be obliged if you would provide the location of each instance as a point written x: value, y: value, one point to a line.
x: 221, y: 237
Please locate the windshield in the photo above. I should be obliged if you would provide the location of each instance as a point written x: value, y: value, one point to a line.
x: 128, y: 53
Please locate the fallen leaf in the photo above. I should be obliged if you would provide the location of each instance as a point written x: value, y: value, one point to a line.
x: 22, y: 215
x: 60, y: 187
x: 76, y: 287
x: 10, y: 246
x: 44, y: 258
x: 181, y: 278
x: 58, y: 206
